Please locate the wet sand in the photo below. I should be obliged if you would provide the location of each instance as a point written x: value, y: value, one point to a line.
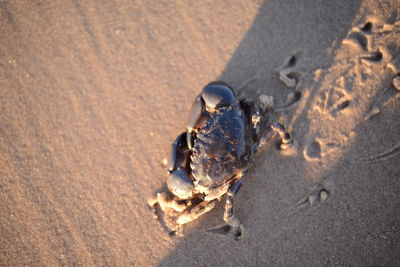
x: 93, y: 93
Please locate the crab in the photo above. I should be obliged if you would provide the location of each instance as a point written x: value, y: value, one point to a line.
x: 210, y: 159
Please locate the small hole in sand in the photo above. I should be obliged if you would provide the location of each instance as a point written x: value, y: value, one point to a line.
x: 367, y: 27
x: 297, y: 96
x: 313, y: 150
x: 376, y: 56
x: 360, y: 39
x: 292, y: 61
x: 343, y: 105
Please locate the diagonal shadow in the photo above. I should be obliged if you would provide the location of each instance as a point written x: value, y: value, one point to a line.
x: 310, y: 30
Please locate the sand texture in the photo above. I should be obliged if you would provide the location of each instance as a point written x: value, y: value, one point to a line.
x: 92, y: 93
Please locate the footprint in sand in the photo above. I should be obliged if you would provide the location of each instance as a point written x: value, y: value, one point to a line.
x: 364, y: 35
x: 367, y: 37
x: 317, y: 194
x: 291, y: 78
x: 312, y: 151
x: 358, y: 37
x: 287, y: 72
x: 292, y: 100
x: 335, y: 100
x: 339, y: 107
x: 373, y: 56
x: 319, y: 149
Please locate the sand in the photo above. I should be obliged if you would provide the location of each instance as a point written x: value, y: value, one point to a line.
x: 93, y: 93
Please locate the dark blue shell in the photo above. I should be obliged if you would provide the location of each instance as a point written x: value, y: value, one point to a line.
x: 219, y: 147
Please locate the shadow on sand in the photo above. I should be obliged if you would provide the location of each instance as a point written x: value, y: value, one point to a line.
x: 274, y: 232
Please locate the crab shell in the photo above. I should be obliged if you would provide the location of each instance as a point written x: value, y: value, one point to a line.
x: 216, y: 148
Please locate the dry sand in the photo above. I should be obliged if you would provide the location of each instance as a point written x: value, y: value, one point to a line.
x: 93, y: 93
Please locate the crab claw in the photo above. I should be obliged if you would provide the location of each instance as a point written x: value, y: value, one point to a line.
x: 217, y: 95
x: 178, y: 155
x: 197, y: 116
x: 179, y: 184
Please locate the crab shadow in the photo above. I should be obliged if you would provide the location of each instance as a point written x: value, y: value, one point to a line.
x: 276, y: 36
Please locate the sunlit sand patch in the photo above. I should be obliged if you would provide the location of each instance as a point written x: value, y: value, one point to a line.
x: 345, y: 91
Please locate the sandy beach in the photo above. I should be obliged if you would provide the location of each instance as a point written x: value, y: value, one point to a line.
x: 93, y: 93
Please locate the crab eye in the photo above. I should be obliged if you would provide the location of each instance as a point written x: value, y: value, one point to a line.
x: 217, y: 95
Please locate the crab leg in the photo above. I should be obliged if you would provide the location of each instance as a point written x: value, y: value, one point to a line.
x: 178, y: 156
x: 196, y: 212
x: 283, y: 134
x: 229, y: 218
x: 165, y: 203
